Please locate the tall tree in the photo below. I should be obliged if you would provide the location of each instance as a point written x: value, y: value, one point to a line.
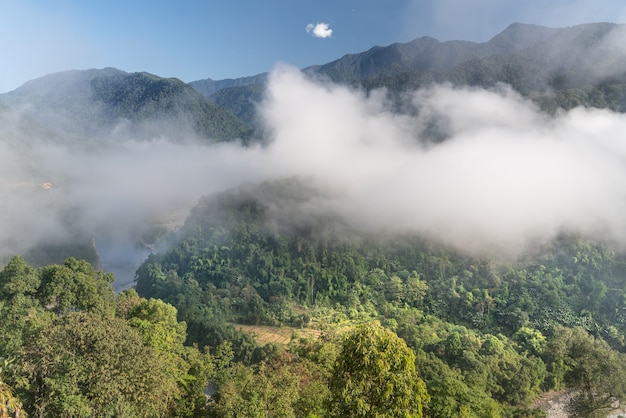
x: 86, y: 364
x: 17, y: 277
x: 375, y: 376
x: 76, y: 285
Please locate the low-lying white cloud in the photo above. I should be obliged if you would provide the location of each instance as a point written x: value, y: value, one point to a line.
x: 319, y: 30
x: 506, y: 176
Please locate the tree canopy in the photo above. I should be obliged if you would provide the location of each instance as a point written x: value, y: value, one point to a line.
x: 375, y: 376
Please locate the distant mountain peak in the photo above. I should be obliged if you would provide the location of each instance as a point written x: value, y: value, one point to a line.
x: 518, y: 36
x: 93, y: 103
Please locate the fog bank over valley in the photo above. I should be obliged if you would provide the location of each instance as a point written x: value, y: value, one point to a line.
x: 481, y: 170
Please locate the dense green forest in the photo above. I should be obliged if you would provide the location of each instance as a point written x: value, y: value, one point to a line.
x: 71, y: 348
x: 404, y: 327
x: 487, y: 336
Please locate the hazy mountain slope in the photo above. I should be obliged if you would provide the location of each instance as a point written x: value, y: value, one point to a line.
x: 239, y: 96
x: 16, y: 126
x: 241, y: 101
x: 100, y: 103
x: 208, y: 86
x: 68, y: 135
x: 517, y: 37
x: 576, y: 56
x: 421, y: 54
x: 533, y: 59
x: 527, y: 56
x: 583, y: 54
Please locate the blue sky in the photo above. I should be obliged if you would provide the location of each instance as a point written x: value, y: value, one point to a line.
x: 220, y: 39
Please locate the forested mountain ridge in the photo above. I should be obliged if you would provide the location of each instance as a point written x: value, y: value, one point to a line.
x: 429, y: 54
x: 425, y: 53
x: 530, y: 58
x: 110, y: 102
x: 557, y: 67
x: 562, y: 50
x: 208, y: 86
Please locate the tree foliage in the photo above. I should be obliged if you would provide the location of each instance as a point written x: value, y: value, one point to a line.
x: 77, y: 351
x: 375, y: 376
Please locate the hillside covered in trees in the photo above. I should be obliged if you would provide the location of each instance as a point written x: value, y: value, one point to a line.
x: 500, y: 332
x: 387, y: 318
x: 101, y: 104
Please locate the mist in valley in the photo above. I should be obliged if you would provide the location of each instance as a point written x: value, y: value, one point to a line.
x: 499, y: 177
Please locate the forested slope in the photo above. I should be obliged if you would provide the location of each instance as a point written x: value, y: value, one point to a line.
x: 108, y: 103
x: 488, y: 335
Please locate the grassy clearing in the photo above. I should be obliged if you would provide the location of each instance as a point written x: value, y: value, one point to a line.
x: 277, y: 335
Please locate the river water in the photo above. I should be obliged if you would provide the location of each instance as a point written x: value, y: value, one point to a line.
x: 123, y: 259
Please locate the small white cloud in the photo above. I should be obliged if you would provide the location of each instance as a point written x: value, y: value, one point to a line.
x: 319, y: 30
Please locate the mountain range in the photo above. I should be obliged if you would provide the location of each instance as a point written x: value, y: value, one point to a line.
x: 559, y: 67
x: 110, y: 103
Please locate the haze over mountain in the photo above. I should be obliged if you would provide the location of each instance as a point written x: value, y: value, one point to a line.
x: 531, y: 58
x: 112, y: 103
x: 552, y: 49
x: 472, y: 163
x: 208, y: 86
